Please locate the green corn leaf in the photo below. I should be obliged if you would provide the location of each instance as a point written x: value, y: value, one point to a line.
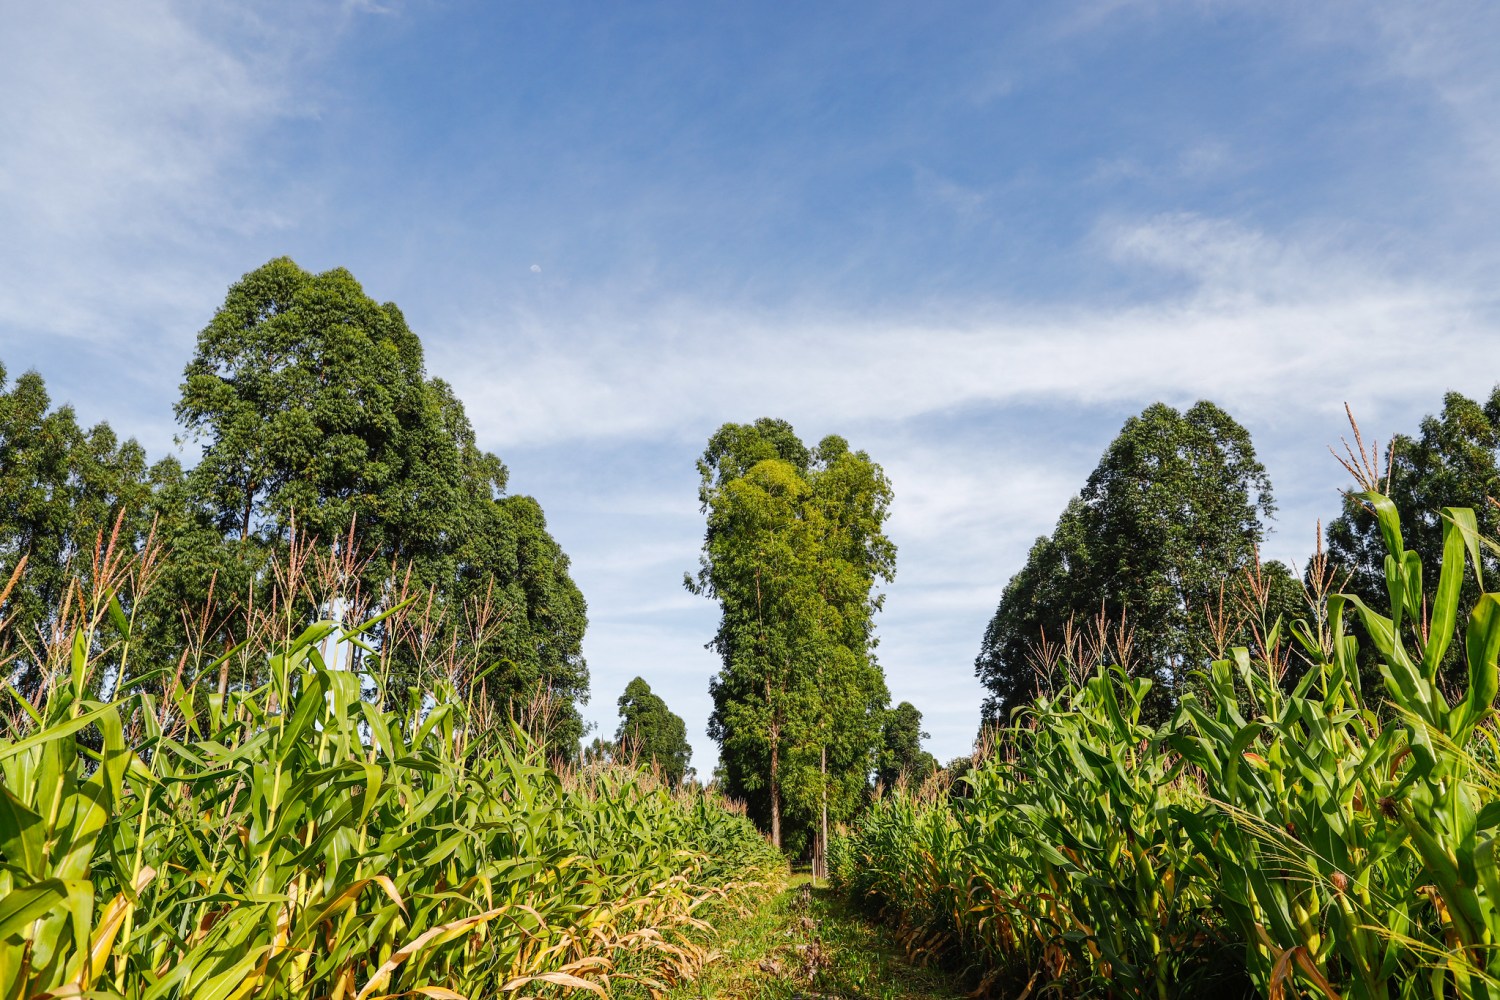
x: 21, y: 907
x: 1388, y: 519
x: 117, y: 616
x: 22, y: 834
x: 80, y: 664
x: 309, y: 706
x: 1481, y: 646
x: 58, y: 731
x: 1444, y: 615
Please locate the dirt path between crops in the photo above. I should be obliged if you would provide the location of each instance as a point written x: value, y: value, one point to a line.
x: 806, y: 944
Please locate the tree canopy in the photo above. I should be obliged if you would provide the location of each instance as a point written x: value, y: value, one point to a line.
x: 62, y: 489
x: 1172, y: 513
x: 651, y: 732
x: 793, y: 549
x: 312, y: 404
x: 1453, y: 461
x: 901, y: 754
x: 313, y: 411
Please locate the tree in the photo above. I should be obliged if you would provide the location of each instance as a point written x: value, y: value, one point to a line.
x: 650, y: 731
x: 793, y: 549
x: 63, y: 491
x: 313, y: 405
x: 1452, y: 462
x: 1170, y: 516
x: 314, y: 409
x: 901, y: 753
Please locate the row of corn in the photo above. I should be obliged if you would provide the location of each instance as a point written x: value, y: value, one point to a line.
x: 293, y: 838
x: 1277, y: 838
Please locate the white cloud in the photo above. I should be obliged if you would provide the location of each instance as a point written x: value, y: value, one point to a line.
x: 140, y: 158
x: 1449, y: 46
x: 1281, y: 331
x: 121, y: 123
x: 1257, y: 321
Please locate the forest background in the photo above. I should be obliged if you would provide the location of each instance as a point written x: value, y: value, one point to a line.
x: 970, y: 244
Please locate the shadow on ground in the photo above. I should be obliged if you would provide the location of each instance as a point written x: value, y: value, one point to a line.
x: 808, y: 944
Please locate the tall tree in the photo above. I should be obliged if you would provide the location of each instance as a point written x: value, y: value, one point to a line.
x: 312, y: 404
x: 901, y: 753
x: 793, y: 550
x: 1453, y: 461
x: 1170, y: 516
x: 314, y: 409
x: 650, y: 731
x: 62, y: 492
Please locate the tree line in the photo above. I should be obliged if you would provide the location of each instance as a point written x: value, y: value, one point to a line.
x: 1154, y: 565
x: 318, y: 429
x: 794, y: 550
x: 321, y: 437
x: 317, y: 426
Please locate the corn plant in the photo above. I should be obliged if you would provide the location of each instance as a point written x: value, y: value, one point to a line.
x: 1285, y: 837
x: 294, y: 839
x: 1060, y: 868
x: 1355, y: 853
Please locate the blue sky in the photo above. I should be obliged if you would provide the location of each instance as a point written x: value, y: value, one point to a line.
x: 971, y: 238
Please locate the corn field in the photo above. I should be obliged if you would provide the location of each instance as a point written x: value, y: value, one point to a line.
x: 289, y: 836
x: 1281, y: 836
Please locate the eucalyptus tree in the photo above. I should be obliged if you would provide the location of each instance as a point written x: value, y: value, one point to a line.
x: 312, y: 405
x: 64, y: 492
x: 315, y: 415
x: 793, y: 550
x: 1169, y: 518
x: 650, y: 731
x: 1452, y: 461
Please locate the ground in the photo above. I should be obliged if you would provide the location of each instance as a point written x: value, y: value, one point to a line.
x: 808, y: 944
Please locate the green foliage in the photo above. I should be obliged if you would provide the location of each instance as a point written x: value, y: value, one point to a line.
x: 1051, y: 868
x: 793, y: 549
x: 512, y: 565
x: 311, y: 401
x: 290, y: 839
x: 1454, y: 460
x: 1280, y: 839
x: 901, y: 755
x: 1173, y: 511
x: 60, y: 487
x: 315, y: 412
x: 652, y: 733
x: 318, y: 424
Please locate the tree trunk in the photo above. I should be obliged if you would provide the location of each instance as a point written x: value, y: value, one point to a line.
x: 822, y: 871
x: 775, y: 792
x: 249, y: 509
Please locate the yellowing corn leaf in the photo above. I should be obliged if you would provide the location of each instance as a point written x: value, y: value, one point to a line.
x: 558, y: 979
x: 440, y: 934
x: 110, y: 922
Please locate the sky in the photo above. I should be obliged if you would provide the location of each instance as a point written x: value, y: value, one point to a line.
x: 971, y: 238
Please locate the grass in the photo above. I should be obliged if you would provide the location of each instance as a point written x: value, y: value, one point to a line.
x: 807, y: 942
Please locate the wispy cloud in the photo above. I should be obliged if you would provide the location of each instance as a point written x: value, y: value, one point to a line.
x: 1279, y: 330
x: 143, y: 166
x: 136, y: 152
x: 1449, y: 46
x: 1254, y: 320
x: 153, y: 150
